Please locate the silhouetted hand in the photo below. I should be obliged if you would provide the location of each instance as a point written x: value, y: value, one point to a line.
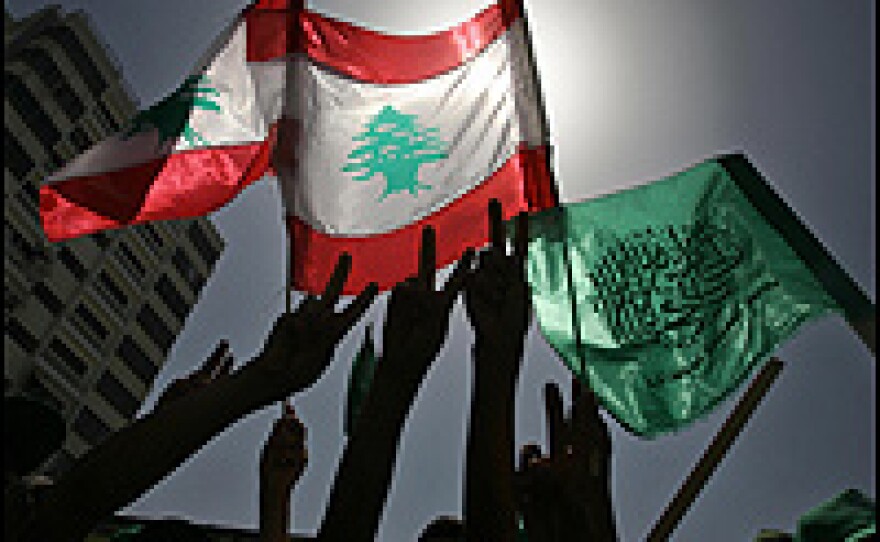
x: 282, y: 462
x: 284, y: 455
x: 418, y: 314
x: 301, y: 345
x: 496, y: 293
x: 498, y: 306
x: 416, y: 325
x: 131, y: 461
x: 574, y: 474
x: 218, y: 365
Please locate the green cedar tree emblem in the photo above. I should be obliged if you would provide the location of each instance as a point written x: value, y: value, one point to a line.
x: 171, y: 115
x: 395, y: 146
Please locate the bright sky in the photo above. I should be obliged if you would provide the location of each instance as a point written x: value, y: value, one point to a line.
x: 634, y: 91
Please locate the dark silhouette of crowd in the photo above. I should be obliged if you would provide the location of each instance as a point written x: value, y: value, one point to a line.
x: 559, y: 493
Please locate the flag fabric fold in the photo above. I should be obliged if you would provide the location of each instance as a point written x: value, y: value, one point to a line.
x: 185, y: 156
x: 682, y: 288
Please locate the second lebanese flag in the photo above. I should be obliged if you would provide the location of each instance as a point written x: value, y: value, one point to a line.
x: 394, y: 133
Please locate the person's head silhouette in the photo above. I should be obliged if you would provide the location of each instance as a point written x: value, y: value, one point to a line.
x: 443, y: 529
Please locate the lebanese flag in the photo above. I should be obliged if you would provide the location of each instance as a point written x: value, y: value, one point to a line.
x: 185, y: 156
x: 373, y: 137
x: 395, y: 133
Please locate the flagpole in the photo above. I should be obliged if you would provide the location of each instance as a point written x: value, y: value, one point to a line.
x: 858, y: 310
x: 287, y: 287
x: 562, y: 221
x: 293, y: 44
x: 715, y: 453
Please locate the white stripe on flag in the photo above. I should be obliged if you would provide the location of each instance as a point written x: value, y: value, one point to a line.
x: 483, y: 110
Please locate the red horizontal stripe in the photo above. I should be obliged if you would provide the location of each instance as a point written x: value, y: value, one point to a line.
x: 371, y: 56
x: 267, y: 24
x: 276, y: 4
x: 182, y: 185
x: 523, y: 183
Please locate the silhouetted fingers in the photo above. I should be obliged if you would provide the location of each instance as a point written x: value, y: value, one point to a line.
x: 334, y: 286
x: 521, y: 239
x: 555, y: 418
x: 294, y: 425
x: 459, y: 276
x: 361, y: 303
x: 428, y: 258
x: 496, y: 225
x: 528, y: 454
x: 214, y: 361
x: 226, y: 367
x: 587, y: 423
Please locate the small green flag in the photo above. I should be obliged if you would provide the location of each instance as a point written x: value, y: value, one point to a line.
x: 683, y: 287
x: 848, y: 517
x: 362, y: 371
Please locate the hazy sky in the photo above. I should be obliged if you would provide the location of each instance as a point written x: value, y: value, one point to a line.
x: 634, y: 90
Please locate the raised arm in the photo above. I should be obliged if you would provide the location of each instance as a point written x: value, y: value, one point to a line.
x: 415, y: 329
x: 218, y: 365
x: 499, y: 308
x: 131, y: 461
x: 282, y: 462
x: 574, y: 476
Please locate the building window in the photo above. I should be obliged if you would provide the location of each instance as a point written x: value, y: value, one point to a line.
x: 23, y: 247
x: 48, y: 299
x: 115, y: 393
x: 171, y: 297
x: 32, y: 191
x: 14, y: 238
x: 61, y: 463
x: 90, y: 427
x: 74, y: 49
x: 17, y: 159
x: 101, y: 239
x: 136, y: 360
x: 130, y: 261
x: 30, y: 110
x: 155, y: 328
x: 67, y: 356
x: 108, y: 120
x: 92, y: 326
x: 109, y: 291
x: 81, y: 141
x: 66, y: 257
x: 36, y: 389
x: 208, y: 251
x: 149, y: 235
x: 28, y: 205
x: 29, y: 196
x: 21, y: 336
x: 53, y: 80
x: 13, y: 299
x: 186, y: 269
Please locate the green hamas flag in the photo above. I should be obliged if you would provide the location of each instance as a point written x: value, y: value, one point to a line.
x: 682, y: 288
x: 848, y: 517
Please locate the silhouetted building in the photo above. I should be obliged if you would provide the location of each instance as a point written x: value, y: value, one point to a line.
x: 88, y: 322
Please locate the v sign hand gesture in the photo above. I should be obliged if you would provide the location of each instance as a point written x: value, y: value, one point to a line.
x: 418, y: 313
x: 302, y: 343
x: 497, y: 294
